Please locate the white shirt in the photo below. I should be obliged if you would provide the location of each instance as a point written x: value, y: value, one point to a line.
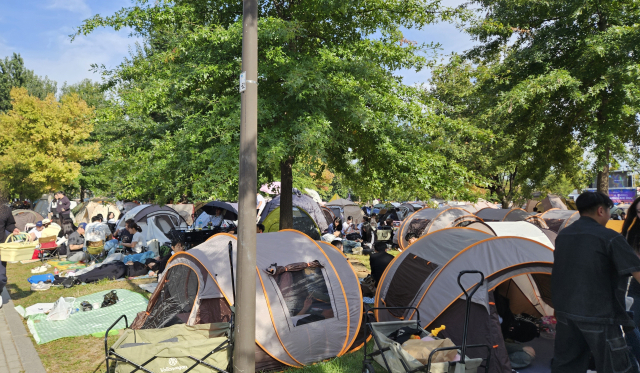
x: 36, y: 232
x: 138, y: 238
x: 216, y: 220
x: 96, y: 232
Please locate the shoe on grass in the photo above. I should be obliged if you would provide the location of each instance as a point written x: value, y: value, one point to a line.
x: 40, y: 286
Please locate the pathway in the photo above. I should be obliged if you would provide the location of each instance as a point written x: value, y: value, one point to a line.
x: 17, y: 353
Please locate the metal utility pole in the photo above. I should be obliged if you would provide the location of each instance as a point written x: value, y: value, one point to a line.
x: 245, y: 327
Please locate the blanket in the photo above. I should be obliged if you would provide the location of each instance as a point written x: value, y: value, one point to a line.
x: 93, y: 322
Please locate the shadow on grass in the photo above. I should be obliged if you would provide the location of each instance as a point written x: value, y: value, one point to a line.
x: 17, y: 292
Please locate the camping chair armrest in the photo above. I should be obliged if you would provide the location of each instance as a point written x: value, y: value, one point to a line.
x: 106, y: 334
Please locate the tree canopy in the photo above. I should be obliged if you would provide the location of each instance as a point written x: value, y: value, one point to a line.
x: 329, y: 94
x: 41, y: 142
x: 568, y: 69
x: 14, y: 74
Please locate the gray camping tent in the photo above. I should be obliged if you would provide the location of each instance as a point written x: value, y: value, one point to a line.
x: 23, y: 217
x: 427, y: 220
x: 197, y: 289
x: 302, y: 201
x: 347, y: 208
x: 425, y: 276
x: 156, y: 221
x: 490, y: 214
x: 558, y: 219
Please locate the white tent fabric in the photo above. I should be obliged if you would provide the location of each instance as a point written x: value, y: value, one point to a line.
x: 520, y: 229
x: 313, y: 194
x: 153, y: 232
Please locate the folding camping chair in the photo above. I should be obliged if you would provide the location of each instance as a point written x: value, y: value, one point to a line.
x: 95, y: 249
x: 48, y: 245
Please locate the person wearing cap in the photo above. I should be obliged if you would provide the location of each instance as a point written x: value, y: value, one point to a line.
x: 36, y: 232
x: 591, y: 269
x: 50, y: 229
x: 76, y: 245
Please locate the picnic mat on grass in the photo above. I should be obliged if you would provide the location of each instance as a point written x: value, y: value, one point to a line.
x: 64, y: 265
x: 94, y: 322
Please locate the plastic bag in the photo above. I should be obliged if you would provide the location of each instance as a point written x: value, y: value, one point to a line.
x: 61, y: 309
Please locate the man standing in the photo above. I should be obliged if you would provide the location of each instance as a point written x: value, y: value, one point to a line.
x: 7, y: 223
x: 590, y: 272
x: 63, y: 206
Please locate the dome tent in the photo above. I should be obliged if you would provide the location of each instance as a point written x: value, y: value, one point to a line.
x: 24, y: 217
x: 427, y: 220
x: 301, y: 222
x: 87, y: 210
x: 490, y: 214
x: 156, y: 221
x: 328, y: 215
x: 558, y: 219
x: 425, y: 276
x: 301, y: 201
x: 346, y: 208
x: 290, y: 268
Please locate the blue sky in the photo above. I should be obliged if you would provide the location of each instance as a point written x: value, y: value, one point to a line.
x: 39, y: 30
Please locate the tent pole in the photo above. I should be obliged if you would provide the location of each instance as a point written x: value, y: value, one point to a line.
x: 245, y: 329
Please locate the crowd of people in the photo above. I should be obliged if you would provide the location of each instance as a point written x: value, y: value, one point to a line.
x: 596, y: 321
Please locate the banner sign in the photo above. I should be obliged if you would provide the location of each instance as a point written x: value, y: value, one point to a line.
x: 620, y: 195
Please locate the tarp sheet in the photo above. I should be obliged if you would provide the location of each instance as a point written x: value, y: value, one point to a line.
x: 89, y: 322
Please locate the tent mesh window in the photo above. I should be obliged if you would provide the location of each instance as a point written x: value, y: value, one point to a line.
x: 417, y: 226
x: 306, y: 295
x: 408, y: 279
x: 175, y: 300
x: 304, y: 224
x: 554, y: 224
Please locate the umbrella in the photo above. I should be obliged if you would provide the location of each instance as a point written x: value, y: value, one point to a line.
x: 271, y: 188
x: 230, y: 212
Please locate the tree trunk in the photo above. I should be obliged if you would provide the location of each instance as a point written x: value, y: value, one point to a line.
x: 602, y: 183
x: 286, y: 193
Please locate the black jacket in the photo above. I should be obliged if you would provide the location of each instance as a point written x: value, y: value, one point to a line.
x: 379, y: 262
x: 7, y: 222
x: 63, y: 206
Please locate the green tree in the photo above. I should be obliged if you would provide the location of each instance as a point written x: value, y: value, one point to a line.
x: 569, y: 68
x: 329, y: 94
x: 513, y: 159
x: 14, y: 74
x: 41, y: 142
x: 92, y: 176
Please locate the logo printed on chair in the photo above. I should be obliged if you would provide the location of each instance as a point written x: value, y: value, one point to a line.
x: 173, y: 361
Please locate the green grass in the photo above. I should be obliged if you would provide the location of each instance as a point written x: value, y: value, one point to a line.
x: 76, y: 354
x: 86, y: 353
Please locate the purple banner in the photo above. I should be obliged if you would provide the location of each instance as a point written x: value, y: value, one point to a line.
x: 622, y: 195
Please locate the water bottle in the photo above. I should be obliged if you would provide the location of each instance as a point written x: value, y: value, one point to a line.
x: 55, y: 271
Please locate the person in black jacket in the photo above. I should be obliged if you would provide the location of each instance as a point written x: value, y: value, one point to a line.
x: 8, y: 224
x: 63, y: 206
x: 379, y: 261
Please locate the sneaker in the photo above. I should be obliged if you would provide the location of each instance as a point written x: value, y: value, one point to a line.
x: 40, y: 286
x: 39, y: 269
